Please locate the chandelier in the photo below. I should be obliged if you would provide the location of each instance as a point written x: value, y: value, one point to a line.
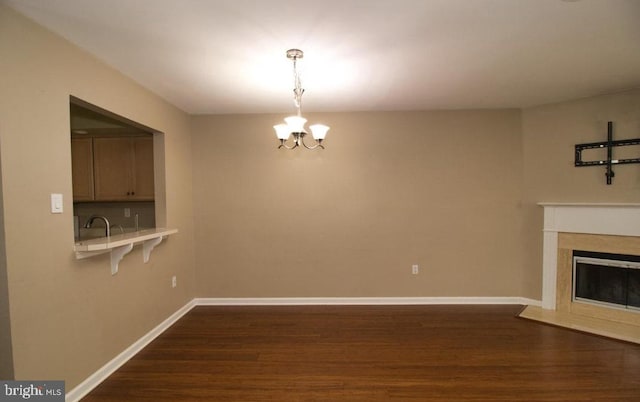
x: 295, y: 124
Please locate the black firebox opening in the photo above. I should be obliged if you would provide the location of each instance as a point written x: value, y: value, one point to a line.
x: 607, y: 278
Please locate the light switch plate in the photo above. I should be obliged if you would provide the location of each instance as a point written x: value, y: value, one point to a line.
x: 56, y: 203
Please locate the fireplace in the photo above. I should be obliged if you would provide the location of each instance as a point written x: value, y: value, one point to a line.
x: 606, y: 279
x: 591, y: 269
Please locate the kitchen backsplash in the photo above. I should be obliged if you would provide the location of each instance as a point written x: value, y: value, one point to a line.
x: 115, y: 213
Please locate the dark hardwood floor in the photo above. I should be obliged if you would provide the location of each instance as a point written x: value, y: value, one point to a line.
x: 374, y: 353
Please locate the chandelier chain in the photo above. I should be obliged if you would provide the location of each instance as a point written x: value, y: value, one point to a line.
x: 297, y: 91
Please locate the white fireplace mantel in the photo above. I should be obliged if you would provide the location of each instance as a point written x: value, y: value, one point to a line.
x: 604, y: 219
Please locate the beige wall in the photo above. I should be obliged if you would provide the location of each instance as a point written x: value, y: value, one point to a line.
x: 68, y: 316
x: 452, y: 191
x: 549, y: 134
x: 438, y: 189
x: 6, y: 354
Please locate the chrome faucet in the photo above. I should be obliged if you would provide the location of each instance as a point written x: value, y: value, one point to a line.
x: 107, y: 228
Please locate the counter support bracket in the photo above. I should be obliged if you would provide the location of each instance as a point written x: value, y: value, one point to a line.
x: 117, y: 254
x: 148, y: 246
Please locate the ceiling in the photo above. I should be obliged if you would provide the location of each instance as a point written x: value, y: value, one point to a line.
x: 228, y: 56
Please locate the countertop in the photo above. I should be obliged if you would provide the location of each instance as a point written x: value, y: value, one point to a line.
x: 106, y: 243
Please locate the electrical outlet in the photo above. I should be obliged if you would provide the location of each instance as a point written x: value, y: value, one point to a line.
x: 127, y: 212
x: 415, y: 269
x: 174, y: 282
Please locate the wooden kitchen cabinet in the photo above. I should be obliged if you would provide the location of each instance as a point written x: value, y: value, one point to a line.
x: 112, y: 168
x: 82, y: 168
x: 123, y: 168
x: 143, y: 168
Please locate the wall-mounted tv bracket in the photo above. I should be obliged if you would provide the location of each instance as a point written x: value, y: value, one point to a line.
x: 609, y: 144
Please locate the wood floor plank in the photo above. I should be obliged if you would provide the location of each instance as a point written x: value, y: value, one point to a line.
x: 374, y: 353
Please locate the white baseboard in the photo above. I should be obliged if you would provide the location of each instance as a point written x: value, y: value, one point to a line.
x: 306, y: 301
x: 105, y: 371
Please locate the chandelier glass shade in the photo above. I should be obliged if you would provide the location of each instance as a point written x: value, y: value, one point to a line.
x: 294, y: 125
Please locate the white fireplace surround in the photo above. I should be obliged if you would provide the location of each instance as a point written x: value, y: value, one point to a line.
x: 603, y: 219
